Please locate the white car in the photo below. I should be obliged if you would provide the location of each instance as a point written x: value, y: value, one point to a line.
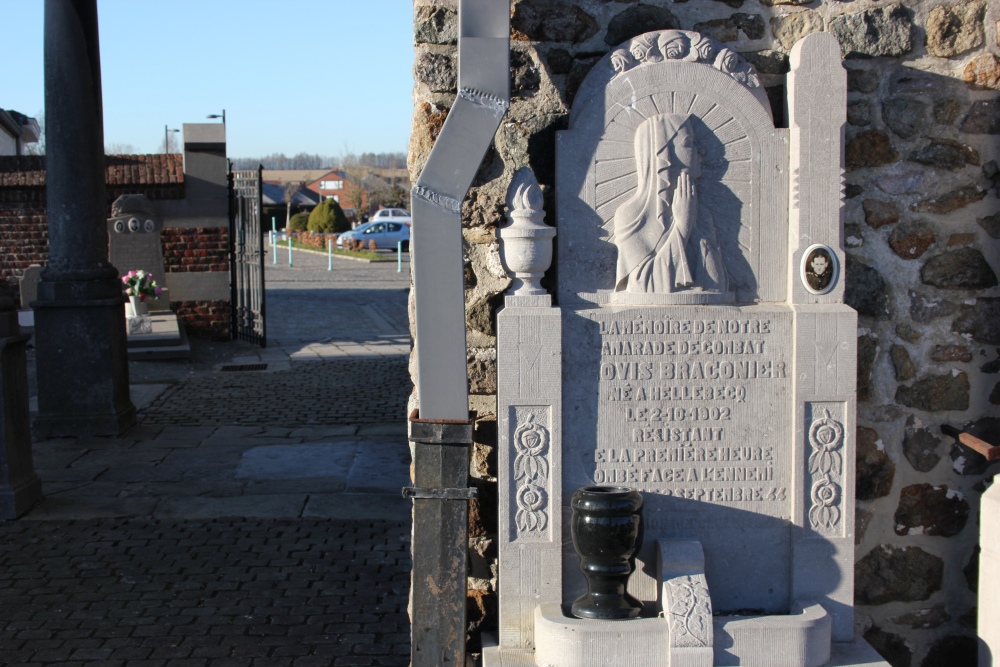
x: 387, y: 235
x: 392, y: 215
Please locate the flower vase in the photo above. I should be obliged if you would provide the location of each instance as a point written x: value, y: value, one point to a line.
x: 605, y: 531
x: 139, y: 307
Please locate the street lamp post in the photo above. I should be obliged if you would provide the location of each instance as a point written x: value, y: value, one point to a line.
x: 215, y: 115
x: 166, y: 138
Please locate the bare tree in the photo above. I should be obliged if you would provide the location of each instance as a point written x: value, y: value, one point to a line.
x: 37, y: 147
x: 119, y: 148
x: 356, y: 195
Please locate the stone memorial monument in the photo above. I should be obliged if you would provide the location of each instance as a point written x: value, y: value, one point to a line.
x: 134, y: 234
x: 700, y: 353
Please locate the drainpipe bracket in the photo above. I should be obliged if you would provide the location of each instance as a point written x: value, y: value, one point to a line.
x: 448, y: 432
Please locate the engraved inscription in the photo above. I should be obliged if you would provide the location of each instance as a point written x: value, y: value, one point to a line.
x: 826, y: 437
x: 531, y: 475
x: 690, y: 610
x: 695, y: 408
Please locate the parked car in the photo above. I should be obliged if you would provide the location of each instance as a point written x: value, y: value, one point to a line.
x: 386, y: 235
x: 392, y: 215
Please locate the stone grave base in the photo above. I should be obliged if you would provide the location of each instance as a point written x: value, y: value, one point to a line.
x: 688, y: 635
x: 854, y: 654
x: 165, y: 340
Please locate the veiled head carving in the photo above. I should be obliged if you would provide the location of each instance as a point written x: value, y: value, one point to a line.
x: 666, y: 239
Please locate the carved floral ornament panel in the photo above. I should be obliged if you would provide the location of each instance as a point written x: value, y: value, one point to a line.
x: 826, y: 470
x: 683, y: 45
x: 531, y: 476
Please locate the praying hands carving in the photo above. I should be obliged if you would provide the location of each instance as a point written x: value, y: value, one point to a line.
x: 666, y: 240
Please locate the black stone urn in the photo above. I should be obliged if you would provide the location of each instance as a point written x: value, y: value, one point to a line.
x: 605, y: 529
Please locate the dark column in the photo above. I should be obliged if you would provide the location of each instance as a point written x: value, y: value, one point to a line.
x: 80, y: 336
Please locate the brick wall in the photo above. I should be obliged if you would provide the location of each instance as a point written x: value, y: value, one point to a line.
x: 922, y: 219
x: 23, y: 220
x: 187, y: 250
x: 204, y: 319
x: 25, y: 241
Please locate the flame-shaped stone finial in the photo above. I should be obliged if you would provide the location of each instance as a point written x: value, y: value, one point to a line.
x: 525, y: 241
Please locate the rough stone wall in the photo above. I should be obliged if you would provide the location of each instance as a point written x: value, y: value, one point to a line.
x: 922, y: 219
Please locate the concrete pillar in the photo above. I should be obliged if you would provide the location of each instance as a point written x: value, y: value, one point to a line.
x: 80, y: 338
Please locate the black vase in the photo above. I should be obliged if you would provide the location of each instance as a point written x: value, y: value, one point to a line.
x: 605, y: 529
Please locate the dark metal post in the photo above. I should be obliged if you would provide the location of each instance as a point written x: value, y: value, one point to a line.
x: 82, y: 363
x: 440, y: 540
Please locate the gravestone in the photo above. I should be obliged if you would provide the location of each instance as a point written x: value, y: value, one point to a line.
x: 700, y: 352
x: 134, y: 243
x: 28, y: 285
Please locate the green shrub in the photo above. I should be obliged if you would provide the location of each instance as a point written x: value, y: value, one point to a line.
x: 299, y: 222
x: 328, y: 217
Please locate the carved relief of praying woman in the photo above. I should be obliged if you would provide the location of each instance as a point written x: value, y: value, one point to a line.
x: 666, y: 240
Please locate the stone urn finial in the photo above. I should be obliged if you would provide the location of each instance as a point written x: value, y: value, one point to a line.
x: 525, y: 241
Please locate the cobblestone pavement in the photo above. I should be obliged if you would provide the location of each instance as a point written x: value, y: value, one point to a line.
x: 340, y: 390
x: 251, y: 518
x: 198, y: 593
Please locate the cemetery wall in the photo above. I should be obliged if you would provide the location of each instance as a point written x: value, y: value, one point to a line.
x: 921, y: 223
x: 24, y: 227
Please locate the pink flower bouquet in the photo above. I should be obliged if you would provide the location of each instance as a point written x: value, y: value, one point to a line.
x: 141, y: 284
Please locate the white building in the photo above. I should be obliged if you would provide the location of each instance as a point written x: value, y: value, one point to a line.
x: 16, y: 130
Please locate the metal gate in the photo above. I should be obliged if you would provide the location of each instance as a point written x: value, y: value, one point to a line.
x: 246, y: 257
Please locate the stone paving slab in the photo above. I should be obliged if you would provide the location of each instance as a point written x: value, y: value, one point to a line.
x: 204, y: 593
x: 200, y: 472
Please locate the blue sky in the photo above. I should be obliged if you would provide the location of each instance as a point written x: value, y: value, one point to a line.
x: 313, y: 76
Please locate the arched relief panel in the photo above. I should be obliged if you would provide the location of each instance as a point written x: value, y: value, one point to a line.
x: 741, y: 189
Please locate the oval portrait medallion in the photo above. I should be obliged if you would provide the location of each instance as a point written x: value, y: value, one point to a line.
x: 819, y: 270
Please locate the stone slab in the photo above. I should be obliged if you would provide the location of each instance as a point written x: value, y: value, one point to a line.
x: 165, y: 331
x: 361, y: 506
x: 842, y: 654
x: 298, y: 461
x: 168, y: 340
x: 144, y: 394
x: 380, y: 467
